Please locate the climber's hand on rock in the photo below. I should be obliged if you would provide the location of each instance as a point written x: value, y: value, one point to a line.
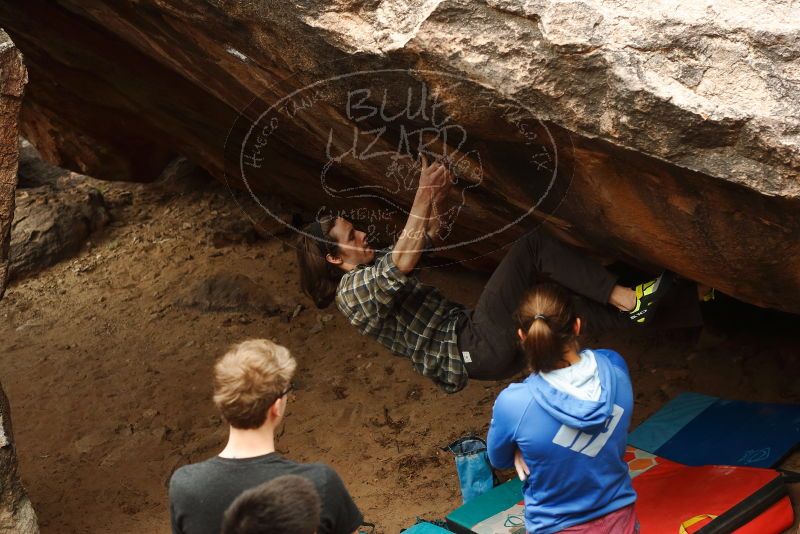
x: 441, y: 192
x: 433, y: 177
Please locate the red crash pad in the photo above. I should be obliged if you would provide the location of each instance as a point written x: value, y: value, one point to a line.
x: 676, y: 498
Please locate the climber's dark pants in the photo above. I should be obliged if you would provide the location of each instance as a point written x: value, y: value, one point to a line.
x: 488, y: 333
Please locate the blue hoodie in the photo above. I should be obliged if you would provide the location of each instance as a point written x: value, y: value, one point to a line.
x: 574, y: 448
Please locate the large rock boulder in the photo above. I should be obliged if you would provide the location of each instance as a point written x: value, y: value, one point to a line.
x: 52, y: 222
x: 16, y: 513
x: 12, y: 83
x: 56, y: 212
x: 661, y: 135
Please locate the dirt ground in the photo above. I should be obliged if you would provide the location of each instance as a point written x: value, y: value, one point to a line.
x: 108, y: 372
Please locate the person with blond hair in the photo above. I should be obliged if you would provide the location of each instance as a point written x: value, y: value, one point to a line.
x: 251, y: 386
x: 564, y: 428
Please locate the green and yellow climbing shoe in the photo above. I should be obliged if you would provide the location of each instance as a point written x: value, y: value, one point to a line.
x: 708, y: 297
x: 648, y: 297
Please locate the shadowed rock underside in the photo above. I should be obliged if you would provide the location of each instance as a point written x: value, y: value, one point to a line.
x: 673, y: 132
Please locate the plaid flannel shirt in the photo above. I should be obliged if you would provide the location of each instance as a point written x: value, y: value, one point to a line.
x: 409, y: 318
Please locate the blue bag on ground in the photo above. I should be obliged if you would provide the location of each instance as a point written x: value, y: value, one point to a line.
x: 475, y: 474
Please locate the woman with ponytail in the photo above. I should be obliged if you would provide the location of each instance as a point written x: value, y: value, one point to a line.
x: 564, y: 428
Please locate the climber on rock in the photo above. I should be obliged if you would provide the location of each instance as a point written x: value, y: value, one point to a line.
x: 380, y: 295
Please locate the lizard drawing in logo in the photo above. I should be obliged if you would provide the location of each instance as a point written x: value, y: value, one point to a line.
x: 400, y: 176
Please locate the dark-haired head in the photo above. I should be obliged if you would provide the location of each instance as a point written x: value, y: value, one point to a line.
x: 548, y: 327
x: 329, y: 248
x: 318, y: 277
x: 284, y: 504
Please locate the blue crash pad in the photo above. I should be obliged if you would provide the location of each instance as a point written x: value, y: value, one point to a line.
x: 696, y: 429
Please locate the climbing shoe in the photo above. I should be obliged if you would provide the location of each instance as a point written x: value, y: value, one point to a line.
x: 648, y: 297
x: 708, y: 297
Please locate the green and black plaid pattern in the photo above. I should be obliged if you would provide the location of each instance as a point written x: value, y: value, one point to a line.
x: 409, y: 318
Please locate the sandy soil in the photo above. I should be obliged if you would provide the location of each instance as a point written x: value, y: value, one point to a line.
x: 109, y: 376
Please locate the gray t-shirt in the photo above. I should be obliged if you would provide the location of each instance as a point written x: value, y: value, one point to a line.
x: 200, y: 493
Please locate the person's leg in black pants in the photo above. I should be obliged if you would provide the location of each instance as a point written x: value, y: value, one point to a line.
x: 489, y: 333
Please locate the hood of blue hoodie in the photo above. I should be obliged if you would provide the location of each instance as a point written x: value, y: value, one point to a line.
x: 571, y: 411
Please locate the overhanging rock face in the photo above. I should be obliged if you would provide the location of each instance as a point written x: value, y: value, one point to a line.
x: 669, y: 136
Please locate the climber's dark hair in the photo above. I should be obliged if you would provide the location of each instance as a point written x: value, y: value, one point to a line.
x: 288, y: 503
x: 318, y: 277
x: 547, y: 314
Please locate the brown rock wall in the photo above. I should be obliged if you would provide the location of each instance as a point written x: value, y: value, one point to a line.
x: 16, y: 513
x: 12, y: 82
